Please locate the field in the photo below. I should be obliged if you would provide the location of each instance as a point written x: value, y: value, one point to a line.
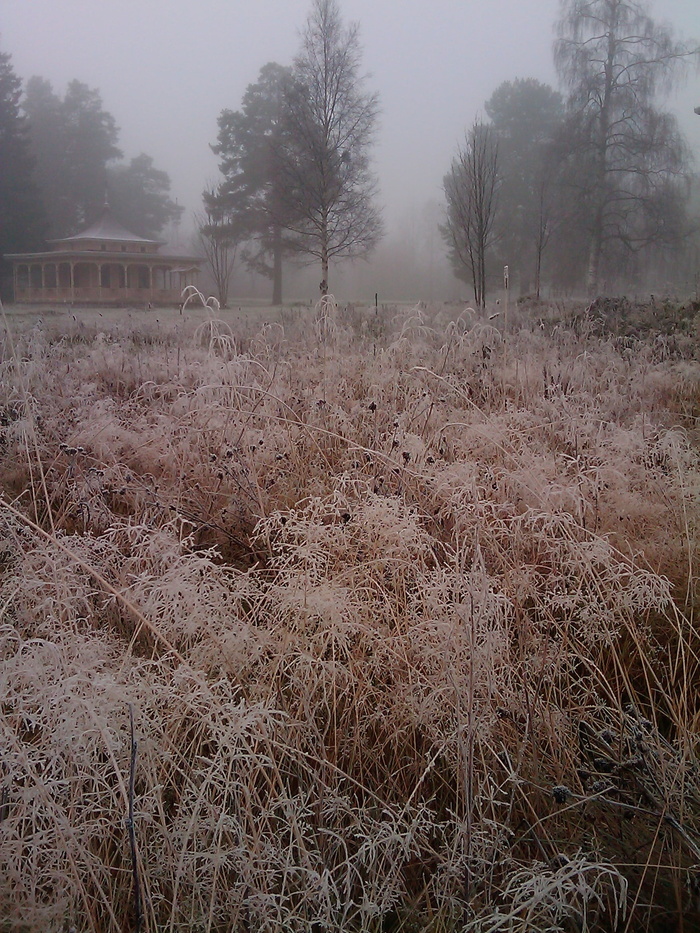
x: 342, y: 619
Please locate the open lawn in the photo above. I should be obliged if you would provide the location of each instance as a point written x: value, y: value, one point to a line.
x: 334, y: 619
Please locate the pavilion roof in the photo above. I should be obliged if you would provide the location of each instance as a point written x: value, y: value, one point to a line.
x: 78, y: 255
x: 107, y: 227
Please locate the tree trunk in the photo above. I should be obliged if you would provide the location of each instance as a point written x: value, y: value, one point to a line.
x: 539, y: 252
x: 475, y: 282
x: 601, y: 170
x: 482, y: 273
x: 538, y: 270
x: 594, y: 254
x: 277, y: 266
x: 324, y: 286
x: 542, y: 236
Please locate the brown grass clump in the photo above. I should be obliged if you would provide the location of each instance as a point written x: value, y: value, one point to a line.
x: 407, y: 640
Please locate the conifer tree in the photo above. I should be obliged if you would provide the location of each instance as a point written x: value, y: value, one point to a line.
x: 21, y: 213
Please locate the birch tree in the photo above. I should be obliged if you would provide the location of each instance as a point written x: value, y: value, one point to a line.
x: 615, y: 61
x: 329, y: 188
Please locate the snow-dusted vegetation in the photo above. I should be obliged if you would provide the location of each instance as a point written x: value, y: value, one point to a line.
x: 403, y: 615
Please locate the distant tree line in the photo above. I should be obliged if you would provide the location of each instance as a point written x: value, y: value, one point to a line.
x: 595, y: 186
x: 60, y: 161
x: 585, y: 187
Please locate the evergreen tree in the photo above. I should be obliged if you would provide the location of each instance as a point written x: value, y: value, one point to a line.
x: 139, y: 195
x: 248, y: 204
x: 21, y: 215
x: 73, y: 141
x: 527, y: 118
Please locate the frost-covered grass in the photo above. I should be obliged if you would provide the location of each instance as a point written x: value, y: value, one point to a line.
x: 408, y: 640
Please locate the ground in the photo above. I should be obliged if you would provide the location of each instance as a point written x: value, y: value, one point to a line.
x: 402, y: 604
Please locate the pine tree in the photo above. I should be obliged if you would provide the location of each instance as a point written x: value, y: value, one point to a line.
x: 248, y: 204
x: 21, y: 213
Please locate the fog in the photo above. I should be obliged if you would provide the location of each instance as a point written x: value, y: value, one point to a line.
x: 166, y: 70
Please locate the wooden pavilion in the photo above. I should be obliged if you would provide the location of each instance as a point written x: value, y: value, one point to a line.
x: 105, y: 264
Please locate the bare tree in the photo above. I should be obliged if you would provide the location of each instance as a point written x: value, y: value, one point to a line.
x: 219, y: 239
x: 471, y: 190
x: 615, y: 59
x: 551, y: 201
x: 330, y: 121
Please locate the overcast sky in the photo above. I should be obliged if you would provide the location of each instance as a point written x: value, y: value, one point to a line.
x: 166, y: 69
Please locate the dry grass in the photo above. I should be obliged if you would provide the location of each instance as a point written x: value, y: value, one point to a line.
x: 409, y: 640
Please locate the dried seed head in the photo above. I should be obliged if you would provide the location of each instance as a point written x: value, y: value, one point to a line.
x: 559, y: 860
x: 605, y: 765
x: 560, y: 793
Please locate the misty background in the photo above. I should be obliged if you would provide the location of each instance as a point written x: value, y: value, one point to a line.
x: 165, y: 72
